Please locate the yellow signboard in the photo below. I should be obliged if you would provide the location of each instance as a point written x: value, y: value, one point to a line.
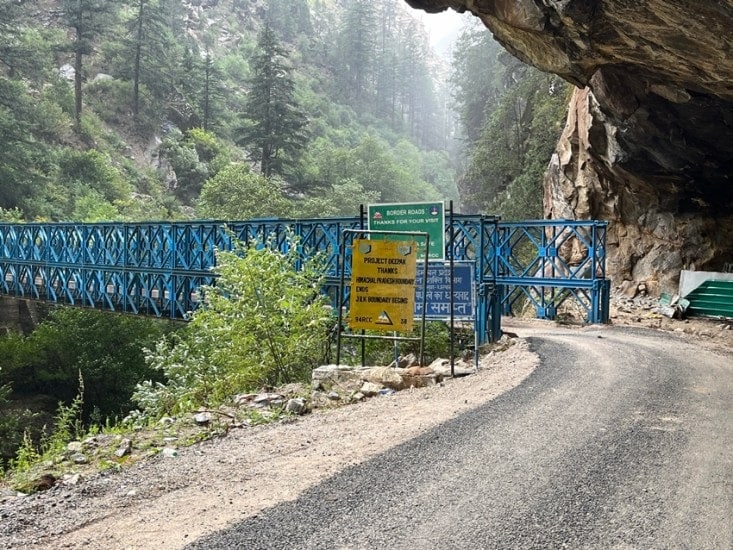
x: 382, y: 285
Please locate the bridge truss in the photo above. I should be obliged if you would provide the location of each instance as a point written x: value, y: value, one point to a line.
x: 157, y: 269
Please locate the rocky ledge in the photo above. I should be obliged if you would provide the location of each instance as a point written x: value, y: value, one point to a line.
x: 649, y: 141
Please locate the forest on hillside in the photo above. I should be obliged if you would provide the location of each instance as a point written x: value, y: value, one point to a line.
x: 234, y: 109
x: 160, y: 109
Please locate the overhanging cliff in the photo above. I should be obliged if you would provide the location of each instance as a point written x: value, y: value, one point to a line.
x: 648, y: 143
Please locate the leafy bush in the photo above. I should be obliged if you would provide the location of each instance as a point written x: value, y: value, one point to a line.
x: 191, y: 171
x: 105, y: 348
x: 237, y: 193
x: 13, y: 215
x: 92, y: 169
x: 265, y: 323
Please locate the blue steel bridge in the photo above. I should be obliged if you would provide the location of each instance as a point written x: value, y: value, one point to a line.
x: 157, y: 268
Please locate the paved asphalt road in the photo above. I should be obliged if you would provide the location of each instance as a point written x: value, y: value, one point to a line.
x: 622, y: 438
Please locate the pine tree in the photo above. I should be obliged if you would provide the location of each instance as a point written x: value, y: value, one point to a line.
x: 275, y: 126
x: 88, y: 19
x: 150, y: 53
x: 358, y: 44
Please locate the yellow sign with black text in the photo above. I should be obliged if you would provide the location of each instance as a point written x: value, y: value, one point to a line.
x: 382, y: 285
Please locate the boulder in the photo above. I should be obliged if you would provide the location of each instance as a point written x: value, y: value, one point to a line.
x: 297, y: 405
x: 370, y: 389
x: 384, y: 376
x: 327, y: 376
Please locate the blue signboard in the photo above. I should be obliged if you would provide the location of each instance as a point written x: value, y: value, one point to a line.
x: 437, y: 291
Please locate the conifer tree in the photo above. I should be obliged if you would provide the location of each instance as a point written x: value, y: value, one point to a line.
x: 150, y: 52
x: 275, y: 127
x: 87, y: 19
x: 358, y: 44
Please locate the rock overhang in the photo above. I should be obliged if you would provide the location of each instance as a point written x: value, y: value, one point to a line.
x: 653, y: 142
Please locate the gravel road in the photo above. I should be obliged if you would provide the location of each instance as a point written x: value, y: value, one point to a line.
x: 621, y: 438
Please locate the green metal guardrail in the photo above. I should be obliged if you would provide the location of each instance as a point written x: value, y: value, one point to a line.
x: 711, y: 299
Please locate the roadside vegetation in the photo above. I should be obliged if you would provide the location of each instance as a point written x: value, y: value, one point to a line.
x: 168, y: 110
x: 265, y: 325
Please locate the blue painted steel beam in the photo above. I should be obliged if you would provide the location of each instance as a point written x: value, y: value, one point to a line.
x: 158, y: 268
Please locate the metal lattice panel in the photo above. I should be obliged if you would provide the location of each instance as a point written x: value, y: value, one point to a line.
x: 158, y: 268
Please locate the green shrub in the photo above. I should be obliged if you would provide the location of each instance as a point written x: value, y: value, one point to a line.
x: 237, y: 193
x: 265, y: 323
x: 106, y: 348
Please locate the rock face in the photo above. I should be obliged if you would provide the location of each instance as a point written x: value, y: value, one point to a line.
x: 648, y: 144
x: 18, y: 315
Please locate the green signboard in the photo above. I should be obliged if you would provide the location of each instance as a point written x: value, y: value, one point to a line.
x: 425, y: 217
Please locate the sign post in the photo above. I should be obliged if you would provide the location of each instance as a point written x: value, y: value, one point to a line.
x: 439, y: 288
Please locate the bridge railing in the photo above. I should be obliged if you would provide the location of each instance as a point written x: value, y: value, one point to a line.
x: 544, y: 264
x: 158, y: 268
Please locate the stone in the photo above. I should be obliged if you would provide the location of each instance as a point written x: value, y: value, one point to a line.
x: 384, y: 376
x: 268, y: 400
x: 404, y: 361
x: 79, y: 458
x: 202, y: 418
x: 442, y: 369
x: 67, y: 72
x: 297, y: 405
x: 125, y: 448
x: 629, y: 289
x: 327, y: 376
x: 244, y: 398
x: 169, y: 452
x: 419, y: 371
x: 74, y: 446
x: 370, y: 389
x: 420, y: 380
x: 72, y: 479
x: 166, y: 421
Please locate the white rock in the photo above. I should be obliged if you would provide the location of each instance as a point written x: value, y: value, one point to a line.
x: 296, y: 406
x: 370, y: 389
x: 202, y: 418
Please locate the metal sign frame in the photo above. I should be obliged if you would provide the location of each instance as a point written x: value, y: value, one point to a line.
x: 349, y: 235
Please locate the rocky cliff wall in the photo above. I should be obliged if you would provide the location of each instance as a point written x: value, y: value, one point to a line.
x: 648, y: 143
x: 19, y: 315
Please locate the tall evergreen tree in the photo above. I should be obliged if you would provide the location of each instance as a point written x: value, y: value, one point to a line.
x: 275, y: 126
x: 150, y: 53
x: 289, y: 18
x: 358, y: 47
x: 476, y: 77
x: 386, y: 61
x: 88, y: 20
x: 211, y: 92
x: 504, y: 175
x: 23, y: 49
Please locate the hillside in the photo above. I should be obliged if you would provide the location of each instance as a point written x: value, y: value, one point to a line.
x: 117, y: 111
